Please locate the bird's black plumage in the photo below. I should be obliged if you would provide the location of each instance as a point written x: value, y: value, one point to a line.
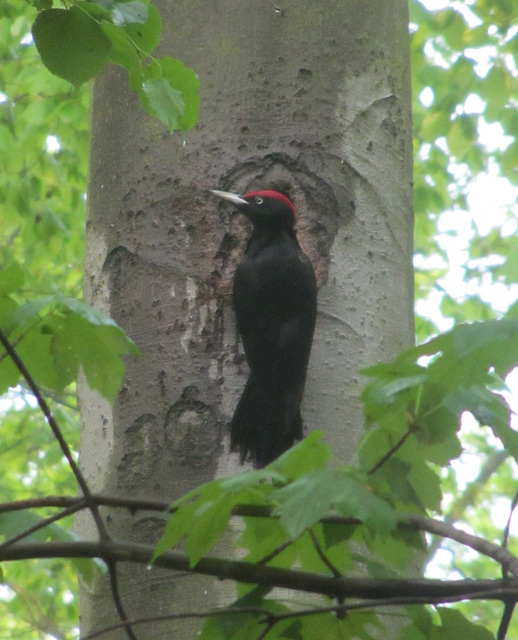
x: 275, y: 301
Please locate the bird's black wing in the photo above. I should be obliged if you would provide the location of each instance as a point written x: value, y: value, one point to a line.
x: 275, y: 304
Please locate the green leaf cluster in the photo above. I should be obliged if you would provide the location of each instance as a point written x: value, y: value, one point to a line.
x: 299, y: 491
x: 56, y: 335
x: 315, y: 515
x: 415, y: 408
x: 448, y: 624
x: 43, y: 164
x: 76, y: 43
x: 16, y: 522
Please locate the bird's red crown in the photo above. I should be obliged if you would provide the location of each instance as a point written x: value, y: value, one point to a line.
x: 275, y: 195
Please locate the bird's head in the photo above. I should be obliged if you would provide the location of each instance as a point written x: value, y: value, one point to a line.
x: 265, y: 209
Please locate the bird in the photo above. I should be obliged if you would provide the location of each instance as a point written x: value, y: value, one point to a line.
x: 275, y: 303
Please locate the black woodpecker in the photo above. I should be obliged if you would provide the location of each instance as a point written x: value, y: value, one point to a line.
x: 275, y: 301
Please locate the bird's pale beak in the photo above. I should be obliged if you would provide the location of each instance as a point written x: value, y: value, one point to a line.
x: 234, y: 198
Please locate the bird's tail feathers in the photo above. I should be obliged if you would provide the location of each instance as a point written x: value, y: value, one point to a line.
x: 266, y: 422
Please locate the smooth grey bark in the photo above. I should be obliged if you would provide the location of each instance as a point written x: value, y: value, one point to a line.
x: 314, y: 99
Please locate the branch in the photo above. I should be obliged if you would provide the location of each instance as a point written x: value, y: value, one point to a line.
x: 132, y: 504
x: 509, y: 606
x: 83, y: 485
x: 45, y: 409
x: 483, y: 546
x: 73, y: 508
x: 427, y: 590
x: 421, y: 523
x: 469, y: 495
x: 268, y: 614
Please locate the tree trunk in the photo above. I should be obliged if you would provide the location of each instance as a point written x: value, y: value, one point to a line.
x: 312, y: 98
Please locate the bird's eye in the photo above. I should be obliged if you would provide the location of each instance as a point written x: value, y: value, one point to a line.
x: 258, y: 200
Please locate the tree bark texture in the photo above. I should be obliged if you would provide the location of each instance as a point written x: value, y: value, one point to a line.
x: 312, y: 99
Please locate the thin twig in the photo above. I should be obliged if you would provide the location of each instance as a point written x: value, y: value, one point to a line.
x: 330, y: 566
x: 80, y: 504
x: 393, y: 449
x: 104, y: 538
x: 114, y: 585
x: 483, y: 546
x: 514, y: 504
x: 45, y: 409
x: 322, y: 555
x: 19, y: 338
x: 507, y: 615
x: 175, y: 616
x: 275, y: 552
x: 469, y: 495
x: 132, y: 504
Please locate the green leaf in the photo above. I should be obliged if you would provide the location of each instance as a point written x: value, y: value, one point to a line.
x: 496, y: 89
x: 165, y: 102
x: 146, y: 36
x: 201, y: 516
x: 461, y: 136
x: 309, y: 498
x: 184, y: 80
x: 393, y: 474
x: 261, y: 537
x: 71, y: 44
x: 40, y: 5
x: 121, y: 13
x: 122, y: 52
x: 176, y: 528
x: 421, y: 625
x: 469, y: 350
x: 84, y: 311
x: 209, y: 523
x: 309, y: 558
x: 354, y: 626
x: 124, y: 13
x: 434, y: 125
x: 250, y: 479
x: 232, y: 625
x: 169, y: 91
x: 97, y: 9
x: 310, y: 454
x: 12, y: 278
x: 97, y: 348
x: 509, y: 269
x: 242, y: 626
x: 31, y: 311
x: 454, y: 625
x: 15, y: 522
x: 394, y: 390
x: 71, y: 335
x: 130, y: 44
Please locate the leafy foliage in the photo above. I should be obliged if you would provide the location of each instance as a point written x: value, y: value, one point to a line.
x: 55, y: 335
x: 332, y: 519
x: 464, y: 62
x: 44, y: 139
x: 76, y: 44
